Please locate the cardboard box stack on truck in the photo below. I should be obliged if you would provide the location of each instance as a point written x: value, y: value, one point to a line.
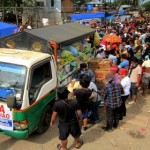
x: 30, y: 74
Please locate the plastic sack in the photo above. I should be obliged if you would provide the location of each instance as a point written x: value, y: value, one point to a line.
x: 84, y: 58
x: 65, y: 53
x: 96, y: 39
x: 72, y: 49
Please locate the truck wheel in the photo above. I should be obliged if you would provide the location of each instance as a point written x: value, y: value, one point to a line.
x: 45, y: 120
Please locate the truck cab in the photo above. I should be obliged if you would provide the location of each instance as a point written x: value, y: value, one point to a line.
x: 27, y: 88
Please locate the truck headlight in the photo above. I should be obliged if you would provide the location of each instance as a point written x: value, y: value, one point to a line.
x: 19, y: 125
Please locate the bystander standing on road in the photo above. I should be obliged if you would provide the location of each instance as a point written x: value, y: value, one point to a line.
x: 135, y: 78
x: 69, y: 113
x: 146, y: 74
x: 126, y: 84
x: 112, y: 98
x: 83, y: 97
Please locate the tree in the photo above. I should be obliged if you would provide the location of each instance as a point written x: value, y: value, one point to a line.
x: 17, y: 3
x: 147, y: 5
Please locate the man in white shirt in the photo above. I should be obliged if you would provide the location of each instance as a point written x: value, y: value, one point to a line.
x: 126, y: 84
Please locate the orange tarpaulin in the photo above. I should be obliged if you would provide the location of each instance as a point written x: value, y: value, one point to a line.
x: 112, y: 38
x: 55, y: 47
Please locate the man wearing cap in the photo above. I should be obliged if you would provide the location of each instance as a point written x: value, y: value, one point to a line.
x: 146, y: 74
x: 135, y: 78
x: 114, y: 70
x: 126, y: 84
x: 112, y: 98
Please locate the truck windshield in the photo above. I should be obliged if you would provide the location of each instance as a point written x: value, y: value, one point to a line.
x: 12, y: 78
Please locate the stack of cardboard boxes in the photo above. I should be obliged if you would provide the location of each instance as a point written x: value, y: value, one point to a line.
x: 100, y: 67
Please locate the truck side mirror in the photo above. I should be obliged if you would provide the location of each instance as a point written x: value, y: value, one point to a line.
x: 11, y: 102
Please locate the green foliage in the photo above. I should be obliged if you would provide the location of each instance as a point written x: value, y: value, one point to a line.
x: 8, y: 3
x: 147, y: 6
x: 29, y: 2
x: 13, y: 3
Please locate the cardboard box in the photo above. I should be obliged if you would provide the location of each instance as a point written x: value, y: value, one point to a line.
x: 99, y: 74
x: 93, y: 69
x: 102, y: 71
x: 105, y: 63
x: 105, y: 69
x: 101, y: 82
x: 94, y: 62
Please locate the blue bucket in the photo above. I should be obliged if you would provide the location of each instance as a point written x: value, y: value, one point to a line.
x: 89, y: 7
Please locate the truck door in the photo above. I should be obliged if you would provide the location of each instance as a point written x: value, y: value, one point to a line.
x: 41, y: 91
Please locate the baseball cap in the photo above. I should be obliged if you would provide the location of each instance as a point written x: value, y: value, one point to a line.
x: 123, y: 71
x: 114, y: 68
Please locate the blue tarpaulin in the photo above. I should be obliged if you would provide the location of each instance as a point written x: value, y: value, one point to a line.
x: 76, y: 17
x: 122, y: 12
x: 7, y: 29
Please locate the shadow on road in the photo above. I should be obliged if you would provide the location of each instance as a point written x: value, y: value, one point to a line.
x: 7, y: 144
x: 38, y: 139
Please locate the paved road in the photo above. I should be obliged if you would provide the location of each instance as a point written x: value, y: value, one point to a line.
x: 132, y: 134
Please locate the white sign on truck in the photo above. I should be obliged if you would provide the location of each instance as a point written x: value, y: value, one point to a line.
x: 6, y: 122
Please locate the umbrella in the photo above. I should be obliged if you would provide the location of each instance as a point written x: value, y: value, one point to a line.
x: 112, y: 38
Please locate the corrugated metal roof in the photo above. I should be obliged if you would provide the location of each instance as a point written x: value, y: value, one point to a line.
x: 64, y: 34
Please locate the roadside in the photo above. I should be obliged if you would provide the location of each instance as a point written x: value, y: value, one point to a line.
x: 133, y: 133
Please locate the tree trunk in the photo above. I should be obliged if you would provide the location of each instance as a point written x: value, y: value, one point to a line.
x: 16, y: 12
x: 118, y: 6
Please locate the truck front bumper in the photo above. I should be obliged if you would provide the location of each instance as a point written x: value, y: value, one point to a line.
x: 20, y: 134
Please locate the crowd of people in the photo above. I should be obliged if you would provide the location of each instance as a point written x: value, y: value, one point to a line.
x: 130, y: 69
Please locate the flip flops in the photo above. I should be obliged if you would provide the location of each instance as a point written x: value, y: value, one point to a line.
x: 59, y: 146
x: 81, y: 143
x: 77, y: 147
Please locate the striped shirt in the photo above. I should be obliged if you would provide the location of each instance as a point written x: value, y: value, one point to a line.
x: 112, y: 95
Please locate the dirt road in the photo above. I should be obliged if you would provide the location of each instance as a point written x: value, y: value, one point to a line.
x: 132, y: 134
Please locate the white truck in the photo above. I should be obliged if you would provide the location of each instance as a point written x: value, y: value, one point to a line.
x: 29, y: 77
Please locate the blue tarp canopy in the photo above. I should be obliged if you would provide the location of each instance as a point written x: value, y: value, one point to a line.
x: 76, y: 17
x: 121, y: 12
x: 110, y: 17
x: 7, y: 29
